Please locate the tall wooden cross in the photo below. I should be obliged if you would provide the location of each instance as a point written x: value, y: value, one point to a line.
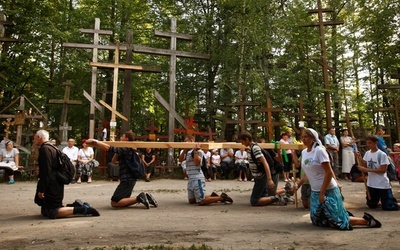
x: 321, y: 24
x: 116, y: 66
x: 395, y: 107
x: 270, y: 124
x: 95, y: 47
x: 64, y: 113
x: 242, y: 117
x: 173, y: 54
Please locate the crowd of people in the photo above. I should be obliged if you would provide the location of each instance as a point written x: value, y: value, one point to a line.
x: 318, y: 166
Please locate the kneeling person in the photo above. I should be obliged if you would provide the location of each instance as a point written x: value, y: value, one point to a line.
x: 196, y: 182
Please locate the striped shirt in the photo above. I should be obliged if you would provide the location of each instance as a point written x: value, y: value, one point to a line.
x: 194, y: 172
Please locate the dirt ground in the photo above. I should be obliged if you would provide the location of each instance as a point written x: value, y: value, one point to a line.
x: 176, y: 223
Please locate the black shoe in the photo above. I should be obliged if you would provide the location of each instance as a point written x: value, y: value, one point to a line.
x: 214, y: 194
x: 141, y: 198
x: 77, y: 203
x: 226, y: 198
x: 372, y: 222
x: 151, y: 200
x: 88, y: 210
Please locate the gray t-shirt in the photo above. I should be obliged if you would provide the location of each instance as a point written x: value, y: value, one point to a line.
x: 194, y: 172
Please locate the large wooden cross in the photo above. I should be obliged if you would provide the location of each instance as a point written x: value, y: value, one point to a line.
x: 270, y: 124
x: 64, y: 113
x: 242, y: 117
x: 173, y: 54
x: 324, y: 62
x: 95, y: 47
x: 116, y: 66
x: 395, y: 107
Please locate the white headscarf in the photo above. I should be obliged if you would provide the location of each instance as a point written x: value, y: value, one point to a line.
x: 317, y: 140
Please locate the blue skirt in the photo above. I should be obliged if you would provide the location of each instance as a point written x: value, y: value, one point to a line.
x: 332, y: 213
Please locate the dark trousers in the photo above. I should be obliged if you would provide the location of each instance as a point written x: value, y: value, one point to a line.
x: 226, y: 168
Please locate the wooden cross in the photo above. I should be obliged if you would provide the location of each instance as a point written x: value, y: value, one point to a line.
x: 95, y: 47
x: 269, y: 123
x: 395, y: 107
x: 173, y: 54
x: 191, y: 128
x: 7, y: 123
x: 321, y: 24
x: 116, y: 66
x: 303, y: 115
x: 65, y: 102
x: 152, y: 135
x: 3, y: 23
x: 242, y: 118
x: 64, y: 128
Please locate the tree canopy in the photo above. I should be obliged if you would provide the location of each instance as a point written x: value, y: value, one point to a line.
x: 258, y: 49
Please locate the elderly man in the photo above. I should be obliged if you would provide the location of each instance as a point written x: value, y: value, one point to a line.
x: 72, y: 152
x: 50, y: 192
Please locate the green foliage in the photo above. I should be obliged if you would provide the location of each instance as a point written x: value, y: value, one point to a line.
x: 258, y: 49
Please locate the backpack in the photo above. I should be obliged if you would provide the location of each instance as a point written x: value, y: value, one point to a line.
x: 274, y: 165
x: 135, y: 165
x: 390, y: 170
x: 65, y: 170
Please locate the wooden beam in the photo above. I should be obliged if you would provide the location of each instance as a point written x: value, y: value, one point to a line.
x: 168, y: 52
x: 141, y: 68
x: 93, y: 101
x: 170, y: 109
x: 205, y: 146
x: 388, y: 86
x: 113, y: 110
x: 173, y: 34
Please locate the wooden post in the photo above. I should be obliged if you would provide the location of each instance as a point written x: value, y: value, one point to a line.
x: 321, y: 24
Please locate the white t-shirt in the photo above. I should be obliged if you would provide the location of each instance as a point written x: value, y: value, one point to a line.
x: 72, y: 152
x: 9, y: 156
x: 311, y: 163
x: 374, y: 161
x: 207, y: 155
x: 85, y: 154
x: 216, y: 160
x: 240, y: 157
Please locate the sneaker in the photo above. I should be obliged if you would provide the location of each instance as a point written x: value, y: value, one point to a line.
x: 214, y: 194
x: 280, y: 200
x: 288, y: 189
x: 372, y: 222
x: 288, y: 199
x: 151, y: 200
x: 226, y: 198
x: 11, y: 182
x: 141, y: 198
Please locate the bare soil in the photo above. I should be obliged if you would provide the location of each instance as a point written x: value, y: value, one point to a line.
x: 175, y: 223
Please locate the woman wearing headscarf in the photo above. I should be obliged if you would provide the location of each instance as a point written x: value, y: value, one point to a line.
x: 9, y: 160
x: 326, y: 204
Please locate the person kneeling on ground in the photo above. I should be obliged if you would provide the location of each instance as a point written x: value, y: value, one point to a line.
x: 50, y: 192
x: 326, y: 204
x: 196, y: 182
x: 122, y: 195
x: 260, y: 170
